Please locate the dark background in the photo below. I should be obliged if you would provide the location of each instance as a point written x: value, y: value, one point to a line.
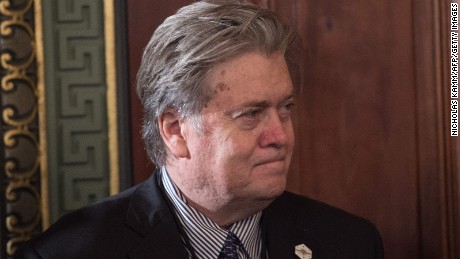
x: 372, y: 119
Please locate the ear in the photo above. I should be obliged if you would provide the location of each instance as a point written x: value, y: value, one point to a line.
x: 170, y: 129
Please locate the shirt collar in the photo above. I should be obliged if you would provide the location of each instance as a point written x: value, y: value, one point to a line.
x: 205, y: 236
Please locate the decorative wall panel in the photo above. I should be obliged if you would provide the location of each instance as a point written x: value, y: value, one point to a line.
x: 76, y: 88
x: 61, y: 100
x: 19, y: 153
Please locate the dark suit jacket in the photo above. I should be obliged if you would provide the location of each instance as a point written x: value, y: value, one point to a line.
x: 138, y: 224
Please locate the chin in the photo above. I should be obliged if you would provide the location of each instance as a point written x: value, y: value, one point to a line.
x: 273, y: 190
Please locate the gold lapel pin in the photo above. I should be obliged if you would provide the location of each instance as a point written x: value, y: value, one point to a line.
x: 303, y: 252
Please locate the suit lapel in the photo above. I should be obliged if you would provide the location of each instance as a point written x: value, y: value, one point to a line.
x: 162, y: 241
x: 150, y: 216
x: 283, y: 232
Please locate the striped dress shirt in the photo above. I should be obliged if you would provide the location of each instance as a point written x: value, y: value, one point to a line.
x: 204, y: 236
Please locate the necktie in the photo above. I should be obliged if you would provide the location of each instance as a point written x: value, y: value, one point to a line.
x: 231, y: 245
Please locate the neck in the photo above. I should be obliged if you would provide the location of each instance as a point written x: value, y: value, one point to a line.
x: 221, y: 208
x: 224, y: 215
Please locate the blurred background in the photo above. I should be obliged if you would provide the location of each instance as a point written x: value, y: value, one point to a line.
x: 372, y: 118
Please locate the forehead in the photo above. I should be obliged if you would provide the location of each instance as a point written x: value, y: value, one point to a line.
x: 250, y: 76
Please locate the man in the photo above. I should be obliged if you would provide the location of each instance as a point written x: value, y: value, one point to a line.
x: 217, y: 91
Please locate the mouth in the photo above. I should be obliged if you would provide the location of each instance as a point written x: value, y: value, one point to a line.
x: 271, y: 161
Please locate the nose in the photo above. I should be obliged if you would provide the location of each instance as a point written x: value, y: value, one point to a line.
x: 276, y: 132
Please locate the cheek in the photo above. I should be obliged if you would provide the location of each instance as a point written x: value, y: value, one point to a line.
x: 237, y: 146
x: 291, y: 134
x: 233, y: 161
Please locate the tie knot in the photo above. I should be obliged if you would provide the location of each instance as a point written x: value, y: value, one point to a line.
x: 231, y: 245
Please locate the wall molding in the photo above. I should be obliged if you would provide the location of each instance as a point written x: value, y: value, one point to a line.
x: 19, y: 126
x: 81, y: 94
x: 61, y: 127
x: 438, y: 173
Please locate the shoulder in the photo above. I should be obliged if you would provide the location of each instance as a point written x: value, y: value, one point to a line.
x: 332, y: 232
x: 94, y: 231
x: 304, y: 208
x: 107, y: 212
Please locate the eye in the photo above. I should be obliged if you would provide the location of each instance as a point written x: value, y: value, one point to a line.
x: 289, y: 106
x: 252, y: 113
x: 285, y: 111
x: 250, y: 119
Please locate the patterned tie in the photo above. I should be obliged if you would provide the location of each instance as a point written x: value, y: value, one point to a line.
x: 231, y: 245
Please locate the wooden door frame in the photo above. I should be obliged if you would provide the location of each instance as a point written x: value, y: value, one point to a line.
x: 439, y: 196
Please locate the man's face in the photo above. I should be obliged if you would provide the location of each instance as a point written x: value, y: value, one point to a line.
x: 245, y: 147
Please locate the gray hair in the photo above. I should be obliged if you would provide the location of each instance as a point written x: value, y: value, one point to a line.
x: 185, y: 47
